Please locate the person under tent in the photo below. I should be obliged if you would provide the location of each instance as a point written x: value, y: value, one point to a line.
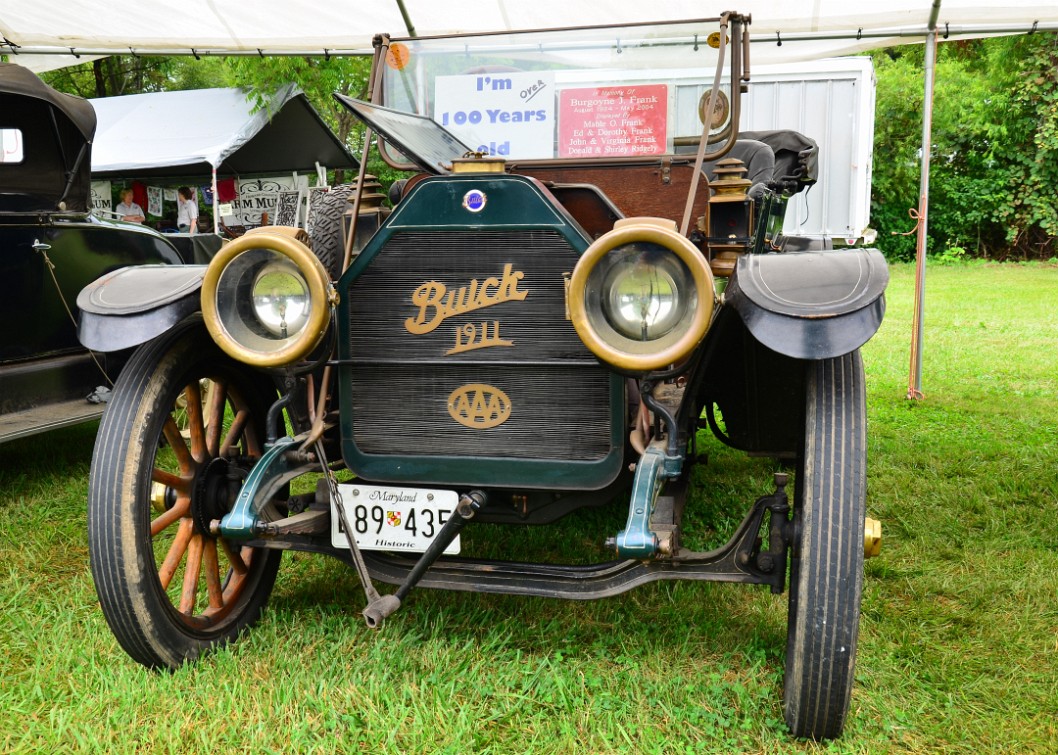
x: 187, y: 211
x: 128, y: 210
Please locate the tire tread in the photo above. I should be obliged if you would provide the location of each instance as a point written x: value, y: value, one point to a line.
x: 827, y: 575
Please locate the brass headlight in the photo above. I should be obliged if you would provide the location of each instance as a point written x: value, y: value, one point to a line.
x: 641, y: 296
x: 266, y: 299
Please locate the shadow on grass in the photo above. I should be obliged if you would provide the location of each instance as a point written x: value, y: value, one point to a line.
x: 52, y: 459
x: 704, y: 619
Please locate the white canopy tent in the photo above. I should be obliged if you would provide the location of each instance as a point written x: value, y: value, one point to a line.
x: 212, y: 132
x: 185, y: 133
x: 822, y: 28
x: 782, y: 31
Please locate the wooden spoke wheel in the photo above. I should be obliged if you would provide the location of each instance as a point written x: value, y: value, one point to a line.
x: 169, y: 459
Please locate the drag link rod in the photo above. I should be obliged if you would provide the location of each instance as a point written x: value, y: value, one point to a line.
x: 384, y: 606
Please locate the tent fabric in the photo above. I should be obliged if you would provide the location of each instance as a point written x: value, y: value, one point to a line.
x: 821, y: 28
x: 188, y: 133
x: 42, y: 63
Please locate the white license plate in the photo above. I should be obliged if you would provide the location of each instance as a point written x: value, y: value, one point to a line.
x: 393, y: 519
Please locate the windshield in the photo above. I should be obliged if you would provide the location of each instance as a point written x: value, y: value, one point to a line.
x: 601, y: 92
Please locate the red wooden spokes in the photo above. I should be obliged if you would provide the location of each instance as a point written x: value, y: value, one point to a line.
x: 214, y: 416
x: 206, y: 574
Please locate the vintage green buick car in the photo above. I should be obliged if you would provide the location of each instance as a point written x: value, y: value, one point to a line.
x: 575, y: 278
x: 51, y: 246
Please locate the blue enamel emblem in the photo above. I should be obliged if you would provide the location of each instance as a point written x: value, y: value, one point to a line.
x: 474, y: 200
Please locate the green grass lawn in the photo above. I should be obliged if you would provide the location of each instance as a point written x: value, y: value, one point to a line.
x: 958, y: 646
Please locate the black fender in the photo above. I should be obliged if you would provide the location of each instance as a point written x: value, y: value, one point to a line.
x: 810, y: 305
x: 132, y: 305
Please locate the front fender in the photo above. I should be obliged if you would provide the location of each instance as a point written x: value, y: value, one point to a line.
x: 810, y: 305
x: 132, y: 305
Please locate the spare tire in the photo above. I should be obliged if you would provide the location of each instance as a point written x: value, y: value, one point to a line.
x: 325, y: 227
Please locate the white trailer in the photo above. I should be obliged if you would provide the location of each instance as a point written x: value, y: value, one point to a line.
x: 832, y: 102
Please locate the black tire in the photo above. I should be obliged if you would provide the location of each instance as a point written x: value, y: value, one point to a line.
x: 325, y: 227
x: 826, y: 568
x: 164, y: 621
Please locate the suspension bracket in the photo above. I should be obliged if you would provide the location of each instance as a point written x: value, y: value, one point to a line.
x: 654, y: 468
x: 769, y: 564
x: 280, y: 464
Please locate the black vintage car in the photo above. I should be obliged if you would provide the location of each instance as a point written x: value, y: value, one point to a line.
x: 575, y: 280
x: 50, y: 248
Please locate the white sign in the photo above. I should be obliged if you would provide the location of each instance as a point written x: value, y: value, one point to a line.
x: 11, y: 145
x: 258, y: 196
x: 154, y: 200
x: 224, y: 209
x: 101, y: 197
x: 509, y: 114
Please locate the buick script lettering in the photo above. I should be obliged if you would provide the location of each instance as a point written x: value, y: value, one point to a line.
x: 437, y: 303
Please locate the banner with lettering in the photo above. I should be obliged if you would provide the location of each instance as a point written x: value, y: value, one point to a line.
x: 507, y: 114
x: 102, y: 198
x: 260, y: 195
x: 613, y: 121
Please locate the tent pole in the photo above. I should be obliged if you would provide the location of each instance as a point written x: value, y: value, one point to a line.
x: 914, y: 381
x: 216, y: 201
x: 407, y: 19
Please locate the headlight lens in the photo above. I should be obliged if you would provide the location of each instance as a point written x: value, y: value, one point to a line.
x: 641, y: 291
x: 263, y: 300
x: 281, y: 299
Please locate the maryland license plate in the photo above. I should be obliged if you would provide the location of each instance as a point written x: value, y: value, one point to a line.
x: 393, y: 519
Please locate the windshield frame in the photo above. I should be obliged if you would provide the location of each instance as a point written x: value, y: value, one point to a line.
x: 393, y: 55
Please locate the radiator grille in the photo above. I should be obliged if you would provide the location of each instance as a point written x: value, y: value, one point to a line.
x: 402, y: 383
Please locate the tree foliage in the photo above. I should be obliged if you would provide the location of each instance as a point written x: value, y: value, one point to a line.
x: 318, y: 77
x: 994, y: 154
x: 114, y: 75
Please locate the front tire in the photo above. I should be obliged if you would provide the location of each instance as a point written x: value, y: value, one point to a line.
x: 162, y: 468
x: 826, y: 567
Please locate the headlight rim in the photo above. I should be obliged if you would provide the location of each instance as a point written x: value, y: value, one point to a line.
x: 663, y: 233
x: 315, y: 276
